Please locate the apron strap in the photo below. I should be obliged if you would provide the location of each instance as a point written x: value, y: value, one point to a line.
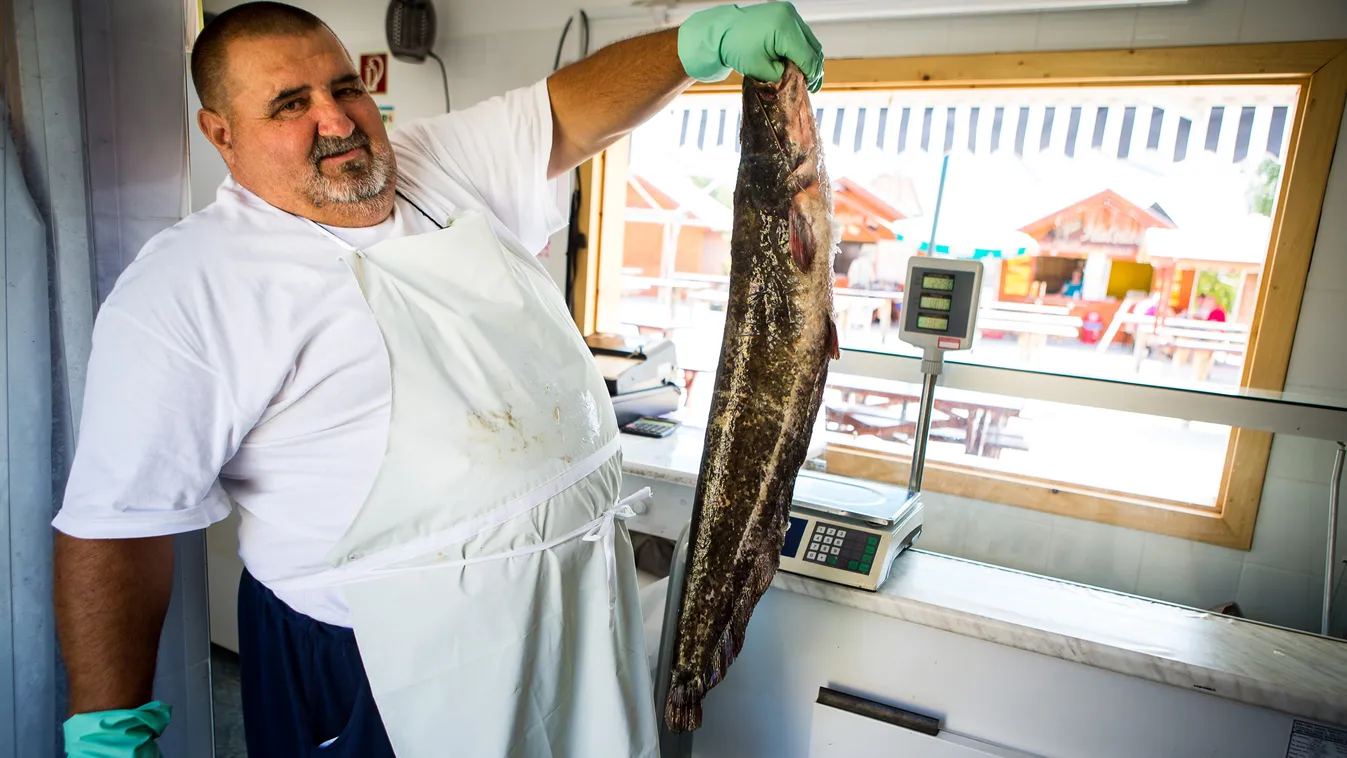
x: 381, y: 563
x: 604, y: 530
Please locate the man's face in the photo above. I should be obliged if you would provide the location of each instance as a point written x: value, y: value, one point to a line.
x: 301, y: 132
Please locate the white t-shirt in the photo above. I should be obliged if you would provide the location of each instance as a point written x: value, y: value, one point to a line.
x: 236, y: 359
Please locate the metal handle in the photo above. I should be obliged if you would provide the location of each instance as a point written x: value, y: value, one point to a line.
x: 889, y: 714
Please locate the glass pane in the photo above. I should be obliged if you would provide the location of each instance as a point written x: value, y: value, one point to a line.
x: 1150, y: 456
x: 1123, y: 230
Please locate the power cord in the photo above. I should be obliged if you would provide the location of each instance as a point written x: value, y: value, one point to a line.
x: 574, y: 239
x: 444, y: 76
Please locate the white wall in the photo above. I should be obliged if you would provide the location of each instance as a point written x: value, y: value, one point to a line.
x: 491, y: 47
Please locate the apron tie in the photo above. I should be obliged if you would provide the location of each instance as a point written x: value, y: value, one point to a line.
x: 605, y: 531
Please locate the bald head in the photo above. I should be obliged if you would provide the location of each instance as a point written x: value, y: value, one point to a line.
x: 283, y: 103
x: 210, y: 53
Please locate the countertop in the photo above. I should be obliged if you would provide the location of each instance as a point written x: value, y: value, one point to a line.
x: 1293, y: 672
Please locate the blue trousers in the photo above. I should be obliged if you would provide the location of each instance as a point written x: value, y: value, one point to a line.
x: 303, y: 684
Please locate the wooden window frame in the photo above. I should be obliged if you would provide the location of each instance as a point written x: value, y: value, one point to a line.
x: 1318, y: 68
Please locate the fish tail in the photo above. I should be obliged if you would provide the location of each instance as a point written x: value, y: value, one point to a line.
x: 683, y: 709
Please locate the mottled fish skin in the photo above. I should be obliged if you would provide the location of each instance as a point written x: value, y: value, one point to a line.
x: 779, y: 337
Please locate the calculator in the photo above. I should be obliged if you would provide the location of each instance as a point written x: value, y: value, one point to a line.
x: 649, y: 426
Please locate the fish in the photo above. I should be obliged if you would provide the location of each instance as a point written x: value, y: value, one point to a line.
x: 780, y: 333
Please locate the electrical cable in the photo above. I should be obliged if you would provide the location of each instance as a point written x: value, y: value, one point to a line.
x: 575, y: 240
x: 444, y: 76
x: 561, y: 43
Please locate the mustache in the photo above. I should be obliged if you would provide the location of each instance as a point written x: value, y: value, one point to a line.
x: 325, y: 147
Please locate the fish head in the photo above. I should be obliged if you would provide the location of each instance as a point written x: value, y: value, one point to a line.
x: 779, y: 123
x: 781, y: 166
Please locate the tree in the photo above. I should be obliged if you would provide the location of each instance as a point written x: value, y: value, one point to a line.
x: 1263, y: 192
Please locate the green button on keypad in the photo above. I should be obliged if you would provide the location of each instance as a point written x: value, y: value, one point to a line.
x: 869, y: 549
x: 852, y: 565
x: 874, y: 540
x: 865, y: 568
x: 832, y: 560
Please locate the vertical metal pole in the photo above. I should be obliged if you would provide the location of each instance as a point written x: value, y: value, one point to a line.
x: 923, y: 428
x: 939, y: 199
x: 672, y: 744
x: 1334, y: 492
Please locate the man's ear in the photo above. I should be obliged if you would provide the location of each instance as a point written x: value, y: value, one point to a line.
x: 216, y: 129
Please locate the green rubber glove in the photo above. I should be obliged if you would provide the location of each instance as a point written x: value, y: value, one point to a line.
x: 752, y: 41
x: 117, y: 734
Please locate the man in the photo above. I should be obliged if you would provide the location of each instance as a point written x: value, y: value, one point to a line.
x: 356, y: 345
x: 1075, y: 288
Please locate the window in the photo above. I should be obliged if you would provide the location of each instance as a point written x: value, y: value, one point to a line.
x: 1138, y: 217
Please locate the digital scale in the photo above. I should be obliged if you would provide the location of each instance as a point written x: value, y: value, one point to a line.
x: 847, y: 533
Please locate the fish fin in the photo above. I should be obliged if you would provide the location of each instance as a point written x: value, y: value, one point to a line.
x: 834, y: 346
x: 801, y: 240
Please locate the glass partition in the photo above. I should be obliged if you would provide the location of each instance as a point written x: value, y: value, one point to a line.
x: 1112, y: 423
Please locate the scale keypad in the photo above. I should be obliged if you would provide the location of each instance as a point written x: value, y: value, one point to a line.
x: 842, y: 547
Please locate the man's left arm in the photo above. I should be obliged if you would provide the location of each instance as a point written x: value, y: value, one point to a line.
x: 597, y: 100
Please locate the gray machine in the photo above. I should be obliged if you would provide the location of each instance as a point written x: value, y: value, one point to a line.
x: 841, y: 531
x: 639, y: 374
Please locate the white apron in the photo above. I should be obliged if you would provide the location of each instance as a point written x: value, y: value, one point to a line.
x: 491, y: 584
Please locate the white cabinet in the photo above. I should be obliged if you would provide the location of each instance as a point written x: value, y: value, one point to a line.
x: 836, y: 733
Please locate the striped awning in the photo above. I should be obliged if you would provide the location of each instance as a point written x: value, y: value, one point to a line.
x: 1232, y: 132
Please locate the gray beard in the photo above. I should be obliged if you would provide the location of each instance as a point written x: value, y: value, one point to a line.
x: 359, y: 182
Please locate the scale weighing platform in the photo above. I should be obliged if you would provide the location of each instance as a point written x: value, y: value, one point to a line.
x: 847, y: 533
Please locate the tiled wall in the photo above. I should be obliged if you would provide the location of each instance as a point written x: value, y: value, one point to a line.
x: 510, y: 43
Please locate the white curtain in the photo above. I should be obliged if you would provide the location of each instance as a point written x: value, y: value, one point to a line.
x: 93, y: 163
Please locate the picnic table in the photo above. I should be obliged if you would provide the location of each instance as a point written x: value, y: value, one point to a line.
x: 862, y: 405
x: 1200, y: 341
x: 1031, y: 323
x: 862, y: 303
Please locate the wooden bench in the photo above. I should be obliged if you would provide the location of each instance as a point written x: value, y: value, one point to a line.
x: 864, y: 406
x: 1202, y: 341
x: 1032, y: 325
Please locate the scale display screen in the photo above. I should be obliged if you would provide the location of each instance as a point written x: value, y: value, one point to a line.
x: 937, y: 323
x: 942, y: 282
x: 936, y: 302
x: 794, y: 533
